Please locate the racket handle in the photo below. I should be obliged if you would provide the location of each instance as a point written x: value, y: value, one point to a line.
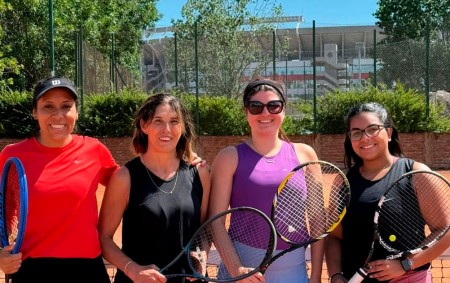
x: 359, y: 276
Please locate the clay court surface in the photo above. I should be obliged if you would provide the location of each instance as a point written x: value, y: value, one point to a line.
x: 440, y: 267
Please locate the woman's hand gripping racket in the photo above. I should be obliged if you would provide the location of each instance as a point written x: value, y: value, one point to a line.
x: 14, y: 205
x: 309, y: 204
x: 412, y: 215
x: 229, y: 239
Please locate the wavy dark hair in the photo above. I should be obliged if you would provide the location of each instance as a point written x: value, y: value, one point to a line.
x: 147, y: 112
x: 351, y: 158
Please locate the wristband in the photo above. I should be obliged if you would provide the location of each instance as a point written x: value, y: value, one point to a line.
x: 336, y: 274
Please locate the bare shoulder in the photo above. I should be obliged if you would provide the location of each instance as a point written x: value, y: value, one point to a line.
x: 226, y: 154
x: 122, y: 172
x: 120, y: 177
x: 225, y: 161
x: 305, y: 152
x: 420, y: 166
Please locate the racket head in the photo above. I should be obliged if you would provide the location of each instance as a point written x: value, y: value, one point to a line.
x: 414, y: 213
x: 241, y: 236
x: 310, y: 202
x: 14, y: 203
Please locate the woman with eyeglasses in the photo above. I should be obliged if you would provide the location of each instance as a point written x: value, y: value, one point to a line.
x: 249, y: 174
x: 374, y: 158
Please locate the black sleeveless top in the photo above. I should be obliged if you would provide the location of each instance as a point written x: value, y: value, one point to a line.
x: 156, y: 225
x: 358, y: 221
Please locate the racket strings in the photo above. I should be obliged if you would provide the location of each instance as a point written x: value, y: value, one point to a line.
x: 241, y: 239
x: 415, y: 212
x: 12, y: 204
x: 311, y: 201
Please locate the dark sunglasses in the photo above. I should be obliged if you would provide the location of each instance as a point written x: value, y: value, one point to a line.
x: 257, y: 107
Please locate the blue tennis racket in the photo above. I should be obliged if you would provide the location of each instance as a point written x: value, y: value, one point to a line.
x: 13, y: 205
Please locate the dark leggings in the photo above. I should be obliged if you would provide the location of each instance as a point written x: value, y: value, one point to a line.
x: 58, y: 270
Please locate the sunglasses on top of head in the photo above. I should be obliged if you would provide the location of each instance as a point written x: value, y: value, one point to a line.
x: 257, y: 107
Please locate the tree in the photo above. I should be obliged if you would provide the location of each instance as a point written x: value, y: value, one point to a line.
x: 26, y: 29
x: 8, y: 65
x: 227, y: 32
x: 403, y: 19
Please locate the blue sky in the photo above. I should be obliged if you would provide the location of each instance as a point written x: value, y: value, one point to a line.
x: 324, y: 12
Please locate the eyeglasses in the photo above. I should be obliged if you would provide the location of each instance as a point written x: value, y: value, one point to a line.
x: 371, y: 131
x: 257, y: 107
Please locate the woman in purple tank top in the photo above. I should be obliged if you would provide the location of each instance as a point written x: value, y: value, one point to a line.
x: 249, y: 174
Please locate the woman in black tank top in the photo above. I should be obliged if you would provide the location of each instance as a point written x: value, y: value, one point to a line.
x: 160, y: 199
x: 374, y: 158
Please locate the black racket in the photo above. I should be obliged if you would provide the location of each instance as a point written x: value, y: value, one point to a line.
x: 309, y: 204
x: 14, y: 205
x: 412, y: 215
x: 229, y: 239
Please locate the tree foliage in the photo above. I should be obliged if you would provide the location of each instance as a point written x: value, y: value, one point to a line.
x: 403, y: 19
x: 396, y: 57
x: 8, y: 65
x: 26, y: 30
x: 227, y: 33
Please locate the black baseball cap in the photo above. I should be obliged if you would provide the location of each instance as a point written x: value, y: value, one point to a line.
x: 45, y: 85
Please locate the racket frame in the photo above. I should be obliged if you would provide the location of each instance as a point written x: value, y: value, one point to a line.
x: 361, y: 273
x: 186, y: 250
x: 399, y: 254
x: 23, y: 187
x: 294, y: 246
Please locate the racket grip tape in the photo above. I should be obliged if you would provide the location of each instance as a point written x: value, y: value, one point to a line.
x: 359, y: 276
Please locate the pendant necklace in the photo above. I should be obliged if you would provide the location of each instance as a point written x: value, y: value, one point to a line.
x: 267, y: 160
x: 161, y: 190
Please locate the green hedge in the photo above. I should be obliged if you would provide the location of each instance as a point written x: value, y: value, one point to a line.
x: 111, y: 115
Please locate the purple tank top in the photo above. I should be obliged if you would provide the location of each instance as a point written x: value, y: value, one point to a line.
x: 257, y: 178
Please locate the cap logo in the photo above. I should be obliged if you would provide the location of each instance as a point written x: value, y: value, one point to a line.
x: 56, y: 82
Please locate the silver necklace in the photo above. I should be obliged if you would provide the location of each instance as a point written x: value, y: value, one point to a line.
x: 271, y: 160
x: 161, y: 190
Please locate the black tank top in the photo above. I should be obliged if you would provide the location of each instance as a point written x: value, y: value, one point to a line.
x: 358, y: 222
x: 156, y: 225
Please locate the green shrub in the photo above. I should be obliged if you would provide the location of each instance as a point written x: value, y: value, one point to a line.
x: 406, y: 106
x: 218, y: 115
x: 110, y: 115
x: 15, y: 112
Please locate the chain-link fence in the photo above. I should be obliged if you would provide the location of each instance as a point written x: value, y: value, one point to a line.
x: 310, y: 61
x: 97, y: 73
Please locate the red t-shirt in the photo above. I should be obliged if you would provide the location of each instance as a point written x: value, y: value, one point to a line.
x: 62, y: 206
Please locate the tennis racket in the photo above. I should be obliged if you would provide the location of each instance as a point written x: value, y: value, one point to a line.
x: 14, y: 205
x: 229, y: 239
x: 412, y: 215
x: 309, y: 204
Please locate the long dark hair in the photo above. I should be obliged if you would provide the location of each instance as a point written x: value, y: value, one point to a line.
x: 146, y: 113
x: 351, y: 158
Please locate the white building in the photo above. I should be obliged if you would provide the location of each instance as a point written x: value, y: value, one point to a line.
x: 342, y: 55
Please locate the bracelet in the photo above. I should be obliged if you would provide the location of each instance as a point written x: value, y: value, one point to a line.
x: 336, y: 274
x: 125, y: 268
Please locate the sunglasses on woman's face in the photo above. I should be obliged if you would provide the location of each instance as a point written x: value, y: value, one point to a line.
x: 257, y: 107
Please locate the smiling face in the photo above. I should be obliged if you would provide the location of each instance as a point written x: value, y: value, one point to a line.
x: 376, y: 146
x: 164, y: 130
x: 265, y: 122
x: 56, y: 113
